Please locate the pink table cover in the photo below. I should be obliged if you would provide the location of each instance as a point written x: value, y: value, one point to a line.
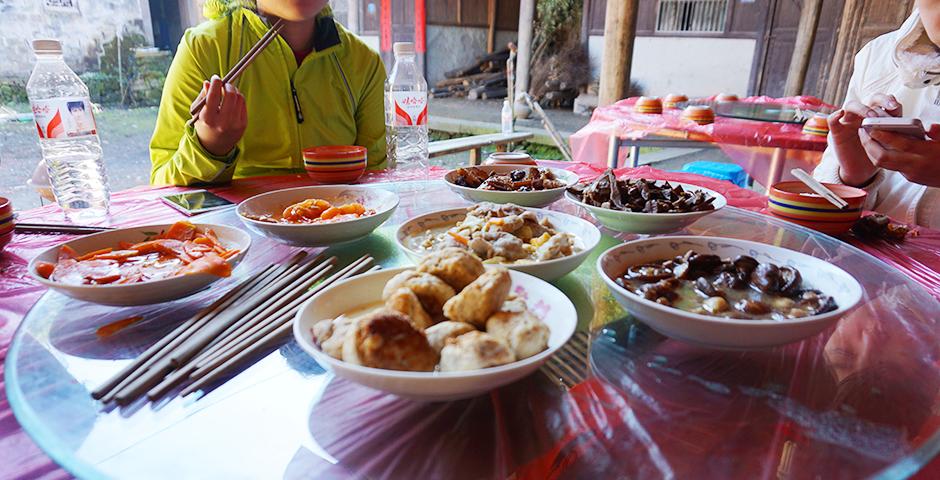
x: 918, y: 257
x: 748, y: 143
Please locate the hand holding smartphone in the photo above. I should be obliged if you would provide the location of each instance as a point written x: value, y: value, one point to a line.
x: 911, y: 127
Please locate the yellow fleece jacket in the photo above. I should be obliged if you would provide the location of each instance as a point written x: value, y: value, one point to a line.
x: 338, y: 88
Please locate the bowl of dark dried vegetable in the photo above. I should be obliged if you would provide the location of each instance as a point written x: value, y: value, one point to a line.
x: 644, y: 206
x: 522, y: 185
x: 727, y: 293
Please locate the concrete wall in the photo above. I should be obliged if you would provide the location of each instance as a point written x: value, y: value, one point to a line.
x: 82, y: 32
x: 452, y: 47
x: 693, y: 66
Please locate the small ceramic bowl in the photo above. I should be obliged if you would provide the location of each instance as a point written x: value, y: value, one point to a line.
x: 674, y: 99
x: 726, y: 97
x: 651, y: 105
x: 700, y: 114
x: 509, y: 158
x: 817, y: 125
x: 335, y: 164
x: 537, y: 198
x: 795, y: 202
x: 6, y: 217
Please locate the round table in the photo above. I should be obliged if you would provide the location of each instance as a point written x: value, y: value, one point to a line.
x: 853, y: 401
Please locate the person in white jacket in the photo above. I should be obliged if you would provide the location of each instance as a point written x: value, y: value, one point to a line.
x: 896, y: 74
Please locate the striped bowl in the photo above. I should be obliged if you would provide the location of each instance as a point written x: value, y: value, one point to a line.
x: 795, y: 202
x: 651, y: 105
x: 6, y: 222
x: 335, y: 164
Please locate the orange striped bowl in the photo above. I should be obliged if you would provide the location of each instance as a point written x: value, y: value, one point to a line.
x: 674, y: 99
x: 6, y: 222
x: 700, y: 114
x: 795, y: 202
x: 648, y: 105
x: 335, y: 164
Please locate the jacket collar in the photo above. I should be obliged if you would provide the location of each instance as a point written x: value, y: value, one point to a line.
x: 325, y: 37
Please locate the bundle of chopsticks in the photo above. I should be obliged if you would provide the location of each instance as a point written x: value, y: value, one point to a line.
x: 255, y: 316
x: 63, y: 228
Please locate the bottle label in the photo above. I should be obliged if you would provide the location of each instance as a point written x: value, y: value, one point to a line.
x: 411, y: 108
x: 66, y: 117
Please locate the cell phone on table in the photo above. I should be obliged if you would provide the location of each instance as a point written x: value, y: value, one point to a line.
x: 197, y: 201
x: 911, y: 127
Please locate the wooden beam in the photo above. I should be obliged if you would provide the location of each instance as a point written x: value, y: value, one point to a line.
x: 803, y: 49
x: 491, y: 24
x: 523, y: 54
x: 844, y: 53
x: 619, y: 34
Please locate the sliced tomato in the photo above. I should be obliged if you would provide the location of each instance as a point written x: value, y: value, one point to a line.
x: 66, y: 251
x: 95, y: 253
x: 45, y: 269
x: 181, y: 230
x: 209, y: 263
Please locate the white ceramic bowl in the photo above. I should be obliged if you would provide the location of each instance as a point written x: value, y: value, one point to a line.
x: 588, y: 235
x: 724, y: 333
x: 141, y: 293
x: 383, y: 202
x: 549, y: 303
x: 538, y: 198
x: 648, y: 223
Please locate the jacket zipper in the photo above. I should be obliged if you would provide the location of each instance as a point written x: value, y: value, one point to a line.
x: 297, y: 110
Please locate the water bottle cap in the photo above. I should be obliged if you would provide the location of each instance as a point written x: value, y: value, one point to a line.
x: 404, y: 48
x: 45, y: 45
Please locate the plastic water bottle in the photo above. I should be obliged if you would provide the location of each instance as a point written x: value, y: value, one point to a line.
x: 68, y: 135
x: 406, y: 113
x: 506, y: 117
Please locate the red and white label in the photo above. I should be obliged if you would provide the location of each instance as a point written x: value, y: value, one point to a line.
x: 411, y: 108
x: 67, y: 117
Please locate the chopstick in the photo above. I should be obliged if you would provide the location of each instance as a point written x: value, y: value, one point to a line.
x: 243, y: 63
x: 27, y: 227
x: 244, y: 321
x: 819, y: 188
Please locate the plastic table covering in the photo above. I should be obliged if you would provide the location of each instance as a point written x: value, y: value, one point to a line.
x: 850, y: 402
x: 751, y: 144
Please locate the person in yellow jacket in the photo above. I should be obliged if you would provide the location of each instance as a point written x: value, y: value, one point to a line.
x: 316, y: 84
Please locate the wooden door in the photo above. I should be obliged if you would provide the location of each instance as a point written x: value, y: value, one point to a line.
x: 778, y: 42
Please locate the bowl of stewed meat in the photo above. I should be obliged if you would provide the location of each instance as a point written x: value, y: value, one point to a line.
x: 727, y: 293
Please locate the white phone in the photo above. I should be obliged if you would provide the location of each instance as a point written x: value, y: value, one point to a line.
x: 911, y: 127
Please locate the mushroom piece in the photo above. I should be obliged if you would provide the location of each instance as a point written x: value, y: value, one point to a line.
x: 647, y: 273
x: 752, y: 307
x: 715, y: 305
x: 706, y: 289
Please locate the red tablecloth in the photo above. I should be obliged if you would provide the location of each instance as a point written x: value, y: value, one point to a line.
x: 918, y: 257
x: 749, y: 143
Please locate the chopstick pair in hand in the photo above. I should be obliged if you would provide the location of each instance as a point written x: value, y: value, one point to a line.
x: 206, y: 96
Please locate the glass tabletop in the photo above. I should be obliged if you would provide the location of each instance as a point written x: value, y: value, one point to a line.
x: 856, y: 400
x: 765, y: 112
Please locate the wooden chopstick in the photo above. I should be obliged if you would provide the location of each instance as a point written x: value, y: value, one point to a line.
x: 819, y: 188
x: 263, y: 339
x: 58, y: 228
x: 243, y: 63
x: 154, y: 349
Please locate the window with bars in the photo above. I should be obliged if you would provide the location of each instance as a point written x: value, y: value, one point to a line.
x: 691, y: 16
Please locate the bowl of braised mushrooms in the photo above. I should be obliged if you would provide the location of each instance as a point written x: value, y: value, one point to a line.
x: 522, y: 185
x: 644, y: 206
x: 727, y: 293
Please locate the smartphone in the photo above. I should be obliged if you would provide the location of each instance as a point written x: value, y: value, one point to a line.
x: 911, y: 127
x: 197, y: 201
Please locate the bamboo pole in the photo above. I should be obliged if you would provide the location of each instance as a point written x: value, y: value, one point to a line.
x: 619, y: 35
x: 803, y: 50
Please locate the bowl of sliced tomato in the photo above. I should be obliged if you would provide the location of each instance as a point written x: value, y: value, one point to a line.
x: 141, y: 265
x: 319, y: 215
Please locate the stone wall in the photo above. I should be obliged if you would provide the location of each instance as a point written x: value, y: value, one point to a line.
x: 82, y: 33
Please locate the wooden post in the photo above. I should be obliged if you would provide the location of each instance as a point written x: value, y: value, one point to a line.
x: 619, y: 33
x: 803, y: 50
x: 523, y: 54
x: 842, y: 58
x: 491, y: 24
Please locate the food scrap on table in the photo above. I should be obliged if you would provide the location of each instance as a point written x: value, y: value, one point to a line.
x: 878, y: 226
x: 180, y: 250
x: 449, y: 314
x: 641, y: 196
x: 741, y: 288
x: 315, y: 210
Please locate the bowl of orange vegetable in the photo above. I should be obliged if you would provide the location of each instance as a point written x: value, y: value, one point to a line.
x: 319, y: 215
x: 141, y: 265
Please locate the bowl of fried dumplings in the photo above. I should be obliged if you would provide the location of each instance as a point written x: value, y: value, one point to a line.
x: 444, y: 330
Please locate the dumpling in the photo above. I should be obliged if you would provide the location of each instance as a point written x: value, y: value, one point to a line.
x: 473, y: 351
x: 386, y: 339
x: 438, y: 334
x: 483, y: 297
x: 525, y: 334
x: 405, y: 301
x: 330, y: 334
x: 431, y: 291
x: 455, y: 266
